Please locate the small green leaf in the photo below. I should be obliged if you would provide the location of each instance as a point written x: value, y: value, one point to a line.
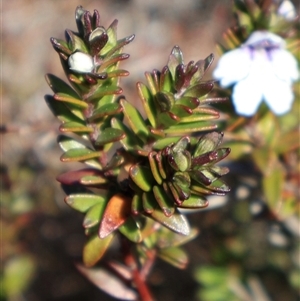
x: 66, y: 143
x: 164, y: 201
x: 70, y: 99
x: 190, y: 102
x: 95, y: 248
x: 164, y: 142
x: 83, y: 202
x: 106, y: 110
x: 208, y: 114
x: 75, y: 42
x: 199, y: 90
x: 130, y: 141
x: 148, y: 103
x: 61, y: 111
x: 190, y: 128
x: 112, y: 37
x: 137, y: 204
x: 131, y: 230
x: 110, y: 135
x: 142, y: 177
x: 207, y: 143
x: 94, y: 214
x: 103, y: 90
x: 79, y: 154
x: 57, y: 85
x: 195, y: 201
x: 176, y: 222
x: 154, y: 167
x: 149, y: 202
x: 93, y: 180
x: 75, y: 127
x: 135, y: 120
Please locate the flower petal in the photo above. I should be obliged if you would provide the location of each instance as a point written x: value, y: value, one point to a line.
x: 278, y: 95
x: 247, y: 96
x: 287, y: 10
x: 233, y: 66
x: 284, y: 65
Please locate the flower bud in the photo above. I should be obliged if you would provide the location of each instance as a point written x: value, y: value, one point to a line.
x: 81, y: 62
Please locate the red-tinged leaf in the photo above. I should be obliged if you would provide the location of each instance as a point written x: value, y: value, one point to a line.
x: 73, y: 177
x: 109, y: 283
x: 116, y: 212
x: 95, y: 248
x: 199, y: 90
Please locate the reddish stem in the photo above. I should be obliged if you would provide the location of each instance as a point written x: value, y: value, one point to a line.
x: 138, y: 279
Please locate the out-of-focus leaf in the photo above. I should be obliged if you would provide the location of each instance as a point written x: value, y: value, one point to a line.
x: 174, y: 256
x: 109, y: 283
x: 264, y: 158
x: 287, y: 142
x: 95, y: 248
x: 17, y: 275
x: 173, y: 239
x: 83, y: 202
x: 116, y: 212
x: 273, y: 186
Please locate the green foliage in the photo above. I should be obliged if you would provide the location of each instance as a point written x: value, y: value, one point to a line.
x: 147, y: 168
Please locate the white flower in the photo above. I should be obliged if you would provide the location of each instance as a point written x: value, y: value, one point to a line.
x: 261, y: 69
x: 81, y: 62
x: 287, y: 10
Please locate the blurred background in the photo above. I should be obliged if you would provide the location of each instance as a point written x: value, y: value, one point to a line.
x: 42, y: 237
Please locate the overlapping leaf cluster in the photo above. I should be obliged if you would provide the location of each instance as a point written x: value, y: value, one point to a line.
x: 140, y: 170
